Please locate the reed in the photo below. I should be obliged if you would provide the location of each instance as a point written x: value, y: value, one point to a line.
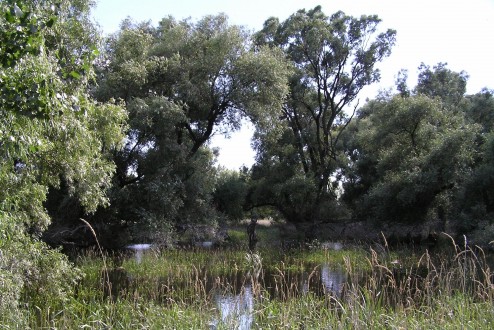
x: 383, y: 289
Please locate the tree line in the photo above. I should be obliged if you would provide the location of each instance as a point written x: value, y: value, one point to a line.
x: 182, y: 81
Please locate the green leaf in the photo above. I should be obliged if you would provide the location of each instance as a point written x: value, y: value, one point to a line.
x: 9, y: 17
x: 95, y: 52
x: 75, y: 75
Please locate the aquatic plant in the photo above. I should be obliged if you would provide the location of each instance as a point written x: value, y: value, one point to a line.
x: 232, y: 289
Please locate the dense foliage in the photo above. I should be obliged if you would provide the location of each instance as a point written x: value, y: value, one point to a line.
x: 421, y: 156
x: 181, y: 83
x: 333, y: 58
x: 51, y: 131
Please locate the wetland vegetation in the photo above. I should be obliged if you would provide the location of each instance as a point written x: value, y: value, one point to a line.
x: 312, y: 287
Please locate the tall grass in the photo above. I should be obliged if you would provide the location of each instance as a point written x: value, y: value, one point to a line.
x: 384, y: 290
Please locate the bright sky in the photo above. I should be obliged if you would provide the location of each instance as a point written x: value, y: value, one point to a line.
x: 458, y: 32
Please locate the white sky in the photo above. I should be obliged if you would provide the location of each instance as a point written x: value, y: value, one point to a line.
x: 458, y: 32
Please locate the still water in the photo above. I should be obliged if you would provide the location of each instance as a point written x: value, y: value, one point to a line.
x: 138, y: 250
x: 235, y: 306
x: 236, y: 310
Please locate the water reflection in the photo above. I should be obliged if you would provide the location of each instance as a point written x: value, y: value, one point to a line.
x: 233, y: 292
x: 333, y: 280
x: 332, y: 246
x: 139, y: 250
x: 235, y: 310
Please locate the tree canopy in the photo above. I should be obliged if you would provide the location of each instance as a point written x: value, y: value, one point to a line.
x: 51, y: 131
x: 333, y: 58
x: 182, y: 82
x: 414, y: 156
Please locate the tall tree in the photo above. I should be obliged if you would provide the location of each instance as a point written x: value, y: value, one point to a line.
x: 417, y: 154
x: 441, y: 82
x: 333, y: 58
x: 50, y: 131
x: 206, y: 68
x: 182, y: 82
x: 476, y: 201
x: 480, y: 109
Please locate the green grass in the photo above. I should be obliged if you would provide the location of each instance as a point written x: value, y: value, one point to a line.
x: 177, y: 289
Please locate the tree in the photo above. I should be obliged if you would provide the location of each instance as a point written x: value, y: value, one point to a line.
x: 50, y: 130
x: 333, y: 58
x: 422, y: 154
x: 412, y: 154
x: 230, y: 193
x: 480, y: 109
x: 441, y: 82
x: 205, y: 68
x: 476, y: 198
x: 182, y: 82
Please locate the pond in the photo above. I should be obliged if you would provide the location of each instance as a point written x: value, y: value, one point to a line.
x: 233, y: 293
x: 313, y: 286
x: 236, y: 310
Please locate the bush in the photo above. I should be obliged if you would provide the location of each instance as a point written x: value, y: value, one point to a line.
x: 31, y: 273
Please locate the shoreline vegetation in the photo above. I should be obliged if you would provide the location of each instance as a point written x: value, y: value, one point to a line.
x: 308, y: 287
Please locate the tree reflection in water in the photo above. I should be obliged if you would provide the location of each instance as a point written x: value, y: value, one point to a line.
x: 235, y: 310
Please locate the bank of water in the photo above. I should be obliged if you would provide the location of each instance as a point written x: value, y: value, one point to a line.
x: 323, y: 286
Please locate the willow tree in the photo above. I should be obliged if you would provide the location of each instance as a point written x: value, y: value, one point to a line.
x: 423, y: 157
x: 333, y: 58
x: 416, y: 154
x: 50, y: 131
x: 184, y: 81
